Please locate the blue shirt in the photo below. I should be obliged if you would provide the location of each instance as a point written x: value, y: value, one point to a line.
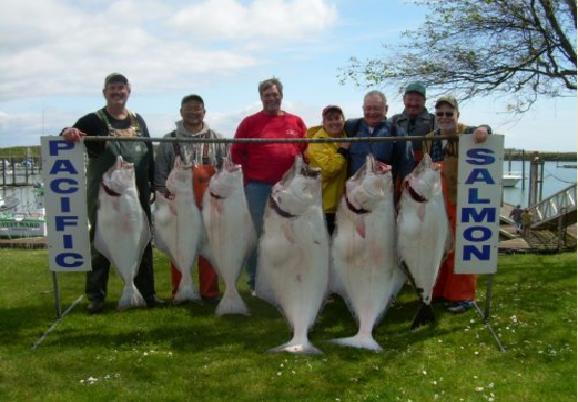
x: 398, y: 154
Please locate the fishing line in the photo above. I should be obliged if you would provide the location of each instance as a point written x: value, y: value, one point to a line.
x: 55, y: 324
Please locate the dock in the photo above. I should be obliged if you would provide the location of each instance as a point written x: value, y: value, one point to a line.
x: 537, y: 240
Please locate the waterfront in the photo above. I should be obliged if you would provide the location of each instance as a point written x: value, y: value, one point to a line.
x: 556, y: 178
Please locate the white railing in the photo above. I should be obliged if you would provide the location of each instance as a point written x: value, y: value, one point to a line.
x: 561, y: 203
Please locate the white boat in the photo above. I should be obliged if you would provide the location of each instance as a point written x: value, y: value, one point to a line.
x: 23, y: 224
x: 511, y: 179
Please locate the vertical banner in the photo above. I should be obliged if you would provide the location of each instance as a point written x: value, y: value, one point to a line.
x: 65, y: 204
x: 478, y: 210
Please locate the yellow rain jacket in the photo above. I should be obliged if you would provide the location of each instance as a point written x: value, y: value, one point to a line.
x: 333, y: 168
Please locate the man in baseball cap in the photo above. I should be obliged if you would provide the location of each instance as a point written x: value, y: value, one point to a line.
x: 415, y: 120
x: 115, y: 77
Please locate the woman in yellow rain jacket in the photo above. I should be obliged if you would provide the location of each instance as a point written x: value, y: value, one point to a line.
x: 330, y: 158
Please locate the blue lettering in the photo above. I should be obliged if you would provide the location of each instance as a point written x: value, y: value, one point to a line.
x: 61, y: 259
x: 480, y: 175
x: 65, y: 204
x: 478, y: 156
x: 473, y: 250
x: 473, y: 197
x: 62, y: 221
x: 485, y: 214
x: 55, y: 146
x: 67, y: 241
x: 63, y: 165
x: 477, y: 233
x: 55, y: 186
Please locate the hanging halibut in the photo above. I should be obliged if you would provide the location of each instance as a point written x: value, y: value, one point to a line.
x: 423, y: 233
x: 293, y: 263
x: 230, y: 232
x: 178, y: 227
x: 122, y: 228
x: 363, y: 251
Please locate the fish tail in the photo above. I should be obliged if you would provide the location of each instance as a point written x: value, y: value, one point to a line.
x: 425, y: 315
x: 131, y: 297
x: 359, y: 341
x: 231, y: 303
x: 186, y: 293
x: 297, y: 347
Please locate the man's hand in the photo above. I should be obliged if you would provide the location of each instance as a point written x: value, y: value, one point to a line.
x: 72, y: 134
x: 481, y: 134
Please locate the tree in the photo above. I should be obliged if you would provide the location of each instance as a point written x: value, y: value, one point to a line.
x: 525, y: 48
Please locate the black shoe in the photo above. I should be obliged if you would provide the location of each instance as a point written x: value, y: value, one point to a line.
x: 95, y: 307
x: 212, y: 300
x: 155, y: 301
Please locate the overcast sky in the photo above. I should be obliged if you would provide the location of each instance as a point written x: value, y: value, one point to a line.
x: 56, y: 53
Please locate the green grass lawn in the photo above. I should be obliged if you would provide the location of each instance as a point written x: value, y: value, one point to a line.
x: 179, y: 353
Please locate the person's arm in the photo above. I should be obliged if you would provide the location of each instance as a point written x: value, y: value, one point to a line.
x: 324, y: 157
x: 164, y: 160
x: 145, y: 133
x: 239, y: 150
x: 480, y: 132
x: 88, y: 125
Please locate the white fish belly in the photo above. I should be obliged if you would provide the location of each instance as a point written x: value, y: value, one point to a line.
x: 178, y: 230
x: 230, y: 233
x: 122, y: 232
x: 365, y: 266
x: 422, y: 243
x: 293, y: 267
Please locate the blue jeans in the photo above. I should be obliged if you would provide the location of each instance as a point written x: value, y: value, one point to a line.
x: 256, y: 194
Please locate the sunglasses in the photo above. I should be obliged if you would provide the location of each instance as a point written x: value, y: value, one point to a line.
x: 442, y: 114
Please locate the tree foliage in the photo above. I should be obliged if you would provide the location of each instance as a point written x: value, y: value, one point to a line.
x: 525, y: 48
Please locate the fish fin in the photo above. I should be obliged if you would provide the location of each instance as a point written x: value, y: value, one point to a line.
x: 360, y: 226
x: 425, y: 315
x: 359, y: 341
x: 305, y: 348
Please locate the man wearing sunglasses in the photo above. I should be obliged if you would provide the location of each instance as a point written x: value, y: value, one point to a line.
x: 459, y: 291
x: 416, y: 120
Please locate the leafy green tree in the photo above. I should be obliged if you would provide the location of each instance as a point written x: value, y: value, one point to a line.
x: 525, y: 48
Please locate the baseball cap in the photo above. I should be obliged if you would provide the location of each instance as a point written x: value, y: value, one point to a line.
x: 416, y: 87
x: 331, y: 108
x: 115, y: 77
x: 449, y: 100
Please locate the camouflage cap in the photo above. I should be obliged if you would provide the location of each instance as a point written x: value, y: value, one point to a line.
x: 450, y: 100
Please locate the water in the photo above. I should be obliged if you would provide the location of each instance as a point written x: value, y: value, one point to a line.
x: 556, y: 178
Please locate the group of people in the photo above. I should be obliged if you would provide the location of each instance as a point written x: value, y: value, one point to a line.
x: 264, y: 164
x: 522, y: 219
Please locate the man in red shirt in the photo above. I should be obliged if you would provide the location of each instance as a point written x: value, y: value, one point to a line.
x: 265, y: 163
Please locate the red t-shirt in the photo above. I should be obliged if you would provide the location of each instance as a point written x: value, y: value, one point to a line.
x: 267, y: 162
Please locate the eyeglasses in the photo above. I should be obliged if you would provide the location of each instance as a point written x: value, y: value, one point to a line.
x: 442, y: 114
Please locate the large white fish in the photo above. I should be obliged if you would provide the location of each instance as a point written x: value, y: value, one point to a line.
x: 363, y: 251
x: 122, y: 228
x: 293, y: 264
x: 230, y: 232
x: 178, y: 227
x: 423, y: 233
